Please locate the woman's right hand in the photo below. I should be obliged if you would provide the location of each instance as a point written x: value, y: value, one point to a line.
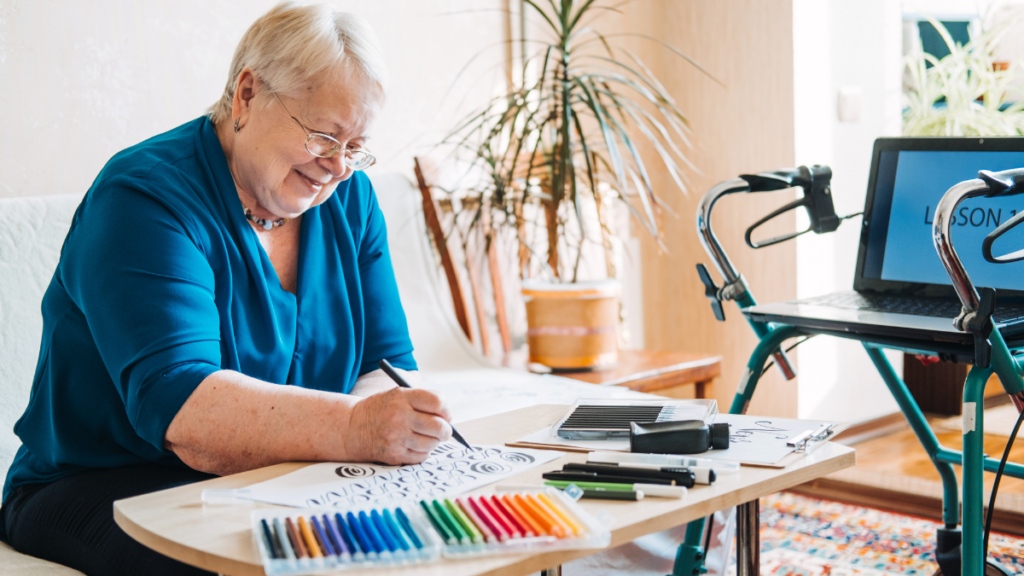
x: 400, y: 426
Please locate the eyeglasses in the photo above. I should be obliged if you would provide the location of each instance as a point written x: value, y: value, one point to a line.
x: 323, y: 146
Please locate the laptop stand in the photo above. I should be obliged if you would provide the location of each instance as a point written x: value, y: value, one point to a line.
x: 956, y: 547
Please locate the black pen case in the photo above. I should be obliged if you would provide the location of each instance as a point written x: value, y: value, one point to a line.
x: 681, y: 437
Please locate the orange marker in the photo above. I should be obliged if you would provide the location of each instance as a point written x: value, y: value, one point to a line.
x: 529, y: 525
x: 296, y: 539
x: 307, y: 535
x: 567, y: 517
x: 498, y: 511
x: 551, y: 525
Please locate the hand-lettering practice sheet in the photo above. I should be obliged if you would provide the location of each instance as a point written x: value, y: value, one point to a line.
x: 450, y: 469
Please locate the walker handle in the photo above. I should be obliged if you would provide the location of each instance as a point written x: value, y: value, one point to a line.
x: 817, y: 200
x: 1006, y: 183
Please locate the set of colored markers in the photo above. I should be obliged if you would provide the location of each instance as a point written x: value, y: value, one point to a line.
x: 299, y: 542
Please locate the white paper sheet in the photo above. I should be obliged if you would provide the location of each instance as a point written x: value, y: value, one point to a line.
x: 450, y: 470
x: 757, y: 440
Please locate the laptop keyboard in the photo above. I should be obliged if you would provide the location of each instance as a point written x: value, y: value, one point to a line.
x: 917, y: 306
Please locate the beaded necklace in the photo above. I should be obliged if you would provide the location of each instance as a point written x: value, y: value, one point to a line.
x: 265, y: 224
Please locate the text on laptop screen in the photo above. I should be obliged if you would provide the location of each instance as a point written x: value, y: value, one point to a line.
x: 909, y: 185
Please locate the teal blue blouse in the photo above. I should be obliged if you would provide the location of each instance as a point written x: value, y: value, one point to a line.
x: 162, y: 282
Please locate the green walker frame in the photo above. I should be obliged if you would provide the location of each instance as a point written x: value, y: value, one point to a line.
x: 989, y: 354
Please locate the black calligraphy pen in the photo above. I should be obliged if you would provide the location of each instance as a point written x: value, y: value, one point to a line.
x: 390, y: 371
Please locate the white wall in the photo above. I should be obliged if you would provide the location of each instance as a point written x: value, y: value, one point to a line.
x: 842, y: 44
x: 80, y: 80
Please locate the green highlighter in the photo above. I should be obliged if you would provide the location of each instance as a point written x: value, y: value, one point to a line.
x: 439, y: 524
x: 610, y: 487
x: 451, y: 523
x: 467, y: 524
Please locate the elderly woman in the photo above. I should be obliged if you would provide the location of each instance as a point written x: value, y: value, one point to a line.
x: 221, y: 303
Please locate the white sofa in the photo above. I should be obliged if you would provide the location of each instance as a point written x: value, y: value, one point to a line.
x: 32, y: 231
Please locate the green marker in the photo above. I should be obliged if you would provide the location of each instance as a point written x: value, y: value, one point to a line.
x: 451, y: 523
x: 592, y: 485
x: 438, y: 524
x: 475, y: 534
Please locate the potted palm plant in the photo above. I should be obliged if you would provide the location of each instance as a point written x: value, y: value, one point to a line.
x: 963, y: 93
x: 554, y: 159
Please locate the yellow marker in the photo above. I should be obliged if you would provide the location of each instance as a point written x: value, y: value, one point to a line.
x: 562, y: 513
x: 307, y: 535
x: 558, y: 528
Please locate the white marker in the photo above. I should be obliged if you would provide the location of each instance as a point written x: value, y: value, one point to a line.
x: 664, y: 460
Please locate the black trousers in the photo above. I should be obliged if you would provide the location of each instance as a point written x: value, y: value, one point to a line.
x: 71, y: 521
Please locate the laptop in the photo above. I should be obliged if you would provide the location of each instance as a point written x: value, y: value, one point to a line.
x: 901, y: 290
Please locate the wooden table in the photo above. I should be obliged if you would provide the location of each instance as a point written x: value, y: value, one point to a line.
x: 653, y: 371
x: 218, y: 537
x: 657, y: 372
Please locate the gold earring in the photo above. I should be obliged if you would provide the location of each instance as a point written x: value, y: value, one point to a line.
x: 236, y: 125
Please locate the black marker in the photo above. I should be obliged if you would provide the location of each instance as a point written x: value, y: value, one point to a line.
x: 390, y: 371
x: 682, y: 476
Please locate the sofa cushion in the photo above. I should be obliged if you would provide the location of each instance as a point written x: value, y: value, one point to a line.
x: 32, y: 231
x: 13, y: 563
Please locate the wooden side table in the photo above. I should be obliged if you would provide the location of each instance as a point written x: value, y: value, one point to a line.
x: 652, y: 371
x: 657, y: 372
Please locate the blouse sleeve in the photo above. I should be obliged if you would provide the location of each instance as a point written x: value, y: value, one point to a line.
x: 147, y: 292
x: 386, y: 332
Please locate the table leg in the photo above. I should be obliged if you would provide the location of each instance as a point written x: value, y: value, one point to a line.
x: 748, y: 539
x: 555, y: 571
x: 700, y: 389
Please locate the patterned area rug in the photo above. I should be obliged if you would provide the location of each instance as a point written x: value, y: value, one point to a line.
x: 808, y: 537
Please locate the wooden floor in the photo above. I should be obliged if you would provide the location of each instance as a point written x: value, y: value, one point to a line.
x: 893, y: 472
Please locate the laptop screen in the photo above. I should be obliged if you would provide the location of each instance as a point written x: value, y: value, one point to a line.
x: 909, y: 177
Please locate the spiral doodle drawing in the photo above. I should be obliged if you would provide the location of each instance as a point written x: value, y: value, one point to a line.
x: 517, y: 458
x: 487, y: 467
x: 354, y: 471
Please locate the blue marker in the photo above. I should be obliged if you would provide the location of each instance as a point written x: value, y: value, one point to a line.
x: 268, y: 540
x: 282, y: 538
x: 336, y: 539
x: 349, y: 537
x: 395, y: 530
x: 328, y: 547
x: 385, y: 532
x: 404, y: 521
x: 361, y: 537
x: 375, y: 537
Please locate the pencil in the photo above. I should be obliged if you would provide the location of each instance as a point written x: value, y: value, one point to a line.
x: 310, y: 540
x: 546, y: 519
x: 474, y: 533
x: 563, y: 514
x: 407, y: 525
x: 282, y: 540
x: 321, y: 538
x: 390, y: 371
x: 438, y: 523
x: 521, y: 530
x: 499, y: 516
x: 296, y: 540
x: 522, y: 515
x: 467, y: 509
x: 396, y: 530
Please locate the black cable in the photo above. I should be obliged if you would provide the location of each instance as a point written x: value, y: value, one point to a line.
x: 797, y: 343
x: 708, y: 527
x: 995, y: 484
x: 854, y: 215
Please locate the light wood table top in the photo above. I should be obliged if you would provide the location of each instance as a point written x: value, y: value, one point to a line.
x: 218, y: 537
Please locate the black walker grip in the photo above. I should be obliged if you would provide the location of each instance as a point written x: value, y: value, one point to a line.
x: 817, y: 200
x: 1005, y: 183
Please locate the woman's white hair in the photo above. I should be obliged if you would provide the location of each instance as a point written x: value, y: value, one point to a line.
x: 295, y: 44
